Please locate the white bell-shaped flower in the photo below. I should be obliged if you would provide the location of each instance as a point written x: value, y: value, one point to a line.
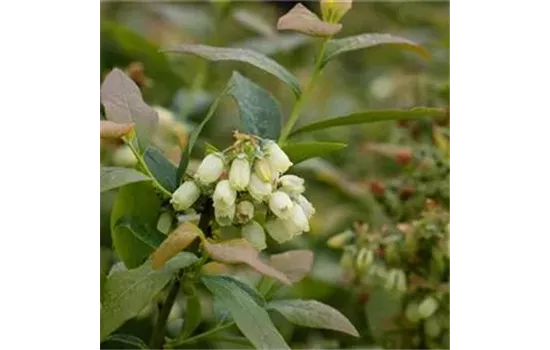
x: 254, y: 233
x: 258, y: 189
x: 277, y: 229
x: 306, y: 205
x: 224, y: 196
x: 224, y: 215
x: 280, y: 204
x: 239, y: 174
x: 210, y: 169
x: 245, y: 211
x: 185, y: 196
x: 299, y: 218
x: 263, y: 170
x: 292, y: 184
x: 276, y: 157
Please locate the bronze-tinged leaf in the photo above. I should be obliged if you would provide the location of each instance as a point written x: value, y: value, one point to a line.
x: 295, y: 264
x: 123, y: 103
x: 112, y: 130
x: 240, y: 251
x: 215, y: 268
x: 178, y: 240
x: 302, y: 20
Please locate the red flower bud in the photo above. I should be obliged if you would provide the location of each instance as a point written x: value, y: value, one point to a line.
x: 377, y: 188
x: 406, y: 192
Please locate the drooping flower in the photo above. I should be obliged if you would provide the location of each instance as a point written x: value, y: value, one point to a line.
x: 292, y: 184
x: 299, y: 218
x: 258, y: 189
x: 306, y: 205
x: 245, y: 211
x: 254, y: 233
x: 185, y: 196
x: 280, y: 204
x: 239, y: 174
x: 210, y: 169
x: 277, y: 229
x: 263, y: 170
x: 224, y: 196
x: 277, y: 159
x: 224, y: 215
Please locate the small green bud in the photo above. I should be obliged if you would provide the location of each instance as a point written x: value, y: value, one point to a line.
x: 245, y: 211
x: 254, y: 233
x: 401, y: 281
x: 432, y: 328
x: 392, y: 254
x: 341, y: 239
x: 348, y: 257
x: 364, y: 260
x: 411, y: 312
x: 164, y: 223
x: 124, y: 157
x: 427, y: 307
x: 333, y: 10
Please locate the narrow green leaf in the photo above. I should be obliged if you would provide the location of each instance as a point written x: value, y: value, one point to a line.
x: 146, y: 234
x: 127, y: 292
x: 371, y: 117
x: 127, y: 339
x: 311, y: 313
x: 184, y: 161
x: 139, y: 202
x: 260, y: 112
x: 298, y: 152
x: 252, y: 320
x: 363, y: 41
x: 243, y: 55
x: 192, y: 317
x: 163, y: 170
x: 114, y: 177
x: 124, y: 104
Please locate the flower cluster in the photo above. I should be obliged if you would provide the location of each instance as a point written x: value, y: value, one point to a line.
x: 245, y: 180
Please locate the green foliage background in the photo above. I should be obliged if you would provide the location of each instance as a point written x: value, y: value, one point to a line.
x: 344, y: 185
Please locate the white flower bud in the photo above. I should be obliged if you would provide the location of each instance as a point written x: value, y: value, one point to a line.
x: 210, y: 169
x: 306, y: 205
x: 292, y: 184
x: 299, y: 218
x: 254, y: 233
x: 245, y: 211
x: 224, y: 215
x: 185, y: 195
x: 258, y: 189
x: 277, y: 159
x: 427, y: 307
x: 263, y: 170
x: 239, y: 174
x: 280, y: 204
x: 278, y: 230
x: 224, y: 195
x: 124, y: 157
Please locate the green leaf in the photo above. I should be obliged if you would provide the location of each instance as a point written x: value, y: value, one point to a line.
x: 137, y: 202
x: 298, y: 152
x: 146, y: 234
x: 371, y: 117
x: 123, y: 104
x: 311, y: 313
x: 243, y: 55
x: 127, y: 339
x: 260, y: 112
x: 184, y: 161
x: 337, y: 46
x: 192, y: 317
x: 252, y: 320
x: 163, y: 170
x: 302, y: 20
x: 126, y: 293
x: 114, y: 177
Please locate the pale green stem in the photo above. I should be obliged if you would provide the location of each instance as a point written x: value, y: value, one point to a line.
x: 146, y: 168
x: 178, y: 342
x: 295, y: 114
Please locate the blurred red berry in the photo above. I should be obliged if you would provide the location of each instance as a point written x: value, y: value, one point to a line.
x: 363, y: 298
x: 403, y: 157
x: 406, y: 192
x: 377, y: 188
